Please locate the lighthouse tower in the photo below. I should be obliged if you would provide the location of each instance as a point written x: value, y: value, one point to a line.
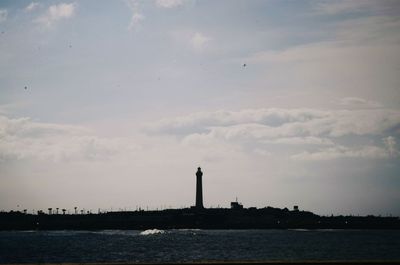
x: 199, y: 189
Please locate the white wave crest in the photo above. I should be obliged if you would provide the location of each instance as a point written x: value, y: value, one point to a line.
x: 151, y: 232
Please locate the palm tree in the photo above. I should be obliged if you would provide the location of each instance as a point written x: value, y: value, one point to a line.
x: 76, y: 210
x: 64, y: 210
x: 57, y: 210
x: 50, y: 210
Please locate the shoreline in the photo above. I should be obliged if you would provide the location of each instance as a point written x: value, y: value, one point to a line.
x: 219, y: 218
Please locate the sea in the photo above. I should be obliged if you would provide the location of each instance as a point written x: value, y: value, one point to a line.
x: 197, y: 245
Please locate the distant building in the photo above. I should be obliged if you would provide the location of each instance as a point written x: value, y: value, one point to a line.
x: 199, y: 189
x: 236, y: 205
x: 296, y: 208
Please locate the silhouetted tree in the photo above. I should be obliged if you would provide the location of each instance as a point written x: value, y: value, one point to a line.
x: 64, y: 210
x: 57, y: 210
x: 75, y: 208
x: 50, y: 210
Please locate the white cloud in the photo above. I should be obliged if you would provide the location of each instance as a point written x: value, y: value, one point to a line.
x: 337, y: 152
x: 135, y: 20
x: 137, y: 17
x: 262, y: 152
x: 309, y: 140
x: 3, y: 15
x: 390, y: 144
x: 11, y: 107
x: 358, y: 102
x: 340, y: 133
x: 248, y: 131
x: 56, y: 13
x: 199, y: 41
x: 32, y: 6
x: 272, y: 123
x: 203, y: 121
x: 389, y: 150
x: 23, y: 138
x: 169, y: 3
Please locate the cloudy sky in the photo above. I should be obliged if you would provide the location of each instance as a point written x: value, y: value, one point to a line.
x: 114, y: 104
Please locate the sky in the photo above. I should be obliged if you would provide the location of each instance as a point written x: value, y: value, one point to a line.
x: 114, y: 104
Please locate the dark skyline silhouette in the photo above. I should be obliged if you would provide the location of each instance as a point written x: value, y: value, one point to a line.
x: 237, y: 217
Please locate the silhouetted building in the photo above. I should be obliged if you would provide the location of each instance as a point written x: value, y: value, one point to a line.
x: 236, y: 205
x: 199, y: 189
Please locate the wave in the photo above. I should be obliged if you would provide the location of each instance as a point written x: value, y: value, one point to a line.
x: 300, y: 229
x: 113, y: 232
x: 152, y: 232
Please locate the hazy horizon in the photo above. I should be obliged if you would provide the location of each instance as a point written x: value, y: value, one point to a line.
x: 116, y: 103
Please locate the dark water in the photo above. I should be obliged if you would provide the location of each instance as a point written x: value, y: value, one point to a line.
x: 192, y: 245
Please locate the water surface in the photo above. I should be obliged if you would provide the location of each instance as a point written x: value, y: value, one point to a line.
x: 195, y: 245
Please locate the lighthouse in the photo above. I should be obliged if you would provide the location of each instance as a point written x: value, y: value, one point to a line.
x: 199, y: 189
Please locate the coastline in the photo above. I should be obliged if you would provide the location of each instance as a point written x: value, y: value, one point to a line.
x: 212, y: 218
